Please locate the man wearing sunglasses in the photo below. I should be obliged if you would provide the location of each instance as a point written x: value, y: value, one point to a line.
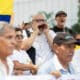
x: 41, y: 39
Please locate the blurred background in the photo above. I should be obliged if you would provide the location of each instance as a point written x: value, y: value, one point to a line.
x: 22, y: 10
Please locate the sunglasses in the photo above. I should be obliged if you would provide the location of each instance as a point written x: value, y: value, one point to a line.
x: 78, y: 41
x: 19, y: 36
x: 40, y: 20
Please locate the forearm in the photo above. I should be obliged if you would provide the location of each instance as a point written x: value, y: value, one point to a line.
x: 23, y: 67
x: 27, y: 43
x: 49, y: 39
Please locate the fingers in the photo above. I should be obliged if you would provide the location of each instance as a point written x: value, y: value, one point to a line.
x: 57, y: 74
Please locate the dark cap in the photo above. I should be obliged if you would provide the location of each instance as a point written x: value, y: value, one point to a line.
x: 60, y: 13
x: 63, y: 38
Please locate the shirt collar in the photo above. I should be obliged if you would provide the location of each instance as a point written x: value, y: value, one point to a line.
x: 57, y: 64
x: 59, y: 67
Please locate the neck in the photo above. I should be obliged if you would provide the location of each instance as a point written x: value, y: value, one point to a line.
x: 17, y: 48
x: 64, y: 64
x: 3, y: 58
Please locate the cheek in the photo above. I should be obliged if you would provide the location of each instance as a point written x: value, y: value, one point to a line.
x: 62, y: 52
x: 4, y: 49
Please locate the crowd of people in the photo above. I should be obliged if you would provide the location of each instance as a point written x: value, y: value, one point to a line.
x: 36, y: 49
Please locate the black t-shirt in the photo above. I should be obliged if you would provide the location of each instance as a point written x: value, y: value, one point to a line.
x: 65, y: 29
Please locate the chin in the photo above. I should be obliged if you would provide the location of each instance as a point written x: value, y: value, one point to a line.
x: 61, y: 23
x: 69, y: 60
x: 10, y: 52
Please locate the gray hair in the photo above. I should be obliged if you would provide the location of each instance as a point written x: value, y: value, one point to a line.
x: 39, y: 13
x: 3, y: 26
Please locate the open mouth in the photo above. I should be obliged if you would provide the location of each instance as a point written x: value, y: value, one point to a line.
x: 62, y: 20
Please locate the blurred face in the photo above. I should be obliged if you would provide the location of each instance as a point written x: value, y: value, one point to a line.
x: 65, y: 52
x: 19, y: 38
x: 38, y: 20
x: 60, y: 20
x: 78, y: 39
x: 27, y: 26
x: 8, y: 42
x: 78, y: 36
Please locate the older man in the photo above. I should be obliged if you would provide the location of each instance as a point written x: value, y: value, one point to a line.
x: 41, y: 39
x: 63, y: 46
x: 7, y: 43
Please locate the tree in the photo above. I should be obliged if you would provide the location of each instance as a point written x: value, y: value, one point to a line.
x: 76, y: 26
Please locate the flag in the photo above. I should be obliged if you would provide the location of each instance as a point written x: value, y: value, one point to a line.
x: 6, y: 10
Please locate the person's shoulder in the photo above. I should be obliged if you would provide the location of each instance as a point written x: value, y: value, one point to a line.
x: 69, y: 30
x: 49, y: 62
x: 52, y: 33
x: 54, y: 27
x: 46, y: 67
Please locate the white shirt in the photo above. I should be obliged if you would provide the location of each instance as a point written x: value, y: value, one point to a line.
x: 54, y: 65
x: 3, y: 71
x: 43, y: 50
x: 59, y: 67
x: 76, y: 61
x: 22, y: 57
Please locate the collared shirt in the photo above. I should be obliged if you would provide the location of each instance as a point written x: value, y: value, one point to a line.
x: 3, y: 71
x: 54, y: 65
x: 43, y: 50
x: 76, y: 61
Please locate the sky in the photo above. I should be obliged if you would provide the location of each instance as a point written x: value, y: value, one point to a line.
x: 24, y: 9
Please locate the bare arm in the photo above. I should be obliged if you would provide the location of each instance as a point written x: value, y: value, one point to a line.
x: 48, y: 36
x: 49, y: 39
x: 23, y: 67
x: 27, y: 43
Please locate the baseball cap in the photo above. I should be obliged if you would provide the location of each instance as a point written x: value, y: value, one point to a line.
x: 60, y: 13
x: 63, y: 38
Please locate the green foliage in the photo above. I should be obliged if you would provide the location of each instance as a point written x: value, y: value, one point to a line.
x: 76, y: 26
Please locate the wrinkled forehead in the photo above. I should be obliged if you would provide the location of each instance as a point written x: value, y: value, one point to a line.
x: 38, y: 16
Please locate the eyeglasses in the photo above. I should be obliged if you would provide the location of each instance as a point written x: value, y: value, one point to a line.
x: 19, y: 36
x: 40, y: 20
